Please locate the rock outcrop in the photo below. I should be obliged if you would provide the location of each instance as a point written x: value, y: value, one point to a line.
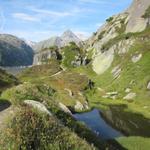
x: 39, y: 106
x: 43, y: 56
x: 103, y: 61
x: 109, y: 38
x: 136, y: 22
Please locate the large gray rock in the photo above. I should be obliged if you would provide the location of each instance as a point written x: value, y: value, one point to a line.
x: 103, y: 61
x: 43, y: 56
x: 39, y: 106
x: 136, y: 22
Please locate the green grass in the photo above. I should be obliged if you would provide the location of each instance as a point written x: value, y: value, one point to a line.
x: 69, y: 54
x: 135, y: 143
x: 30, y: 129
x: 7, y: 80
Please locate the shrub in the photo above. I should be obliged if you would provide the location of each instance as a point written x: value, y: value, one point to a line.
x: 109, y: 19
x: 30, y: 129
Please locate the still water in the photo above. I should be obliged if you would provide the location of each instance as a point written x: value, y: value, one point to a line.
x: 96, y: 123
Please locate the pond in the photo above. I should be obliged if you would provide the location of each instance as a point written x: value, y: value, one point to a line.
x: 97, y: 124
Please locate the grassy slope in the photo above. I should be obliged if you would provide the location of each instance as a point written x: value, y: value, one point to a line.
x: 6, y: 80
x: 138, y: 73
x: 30, y: 129
x: 66, y: 80
x: 45, y: 94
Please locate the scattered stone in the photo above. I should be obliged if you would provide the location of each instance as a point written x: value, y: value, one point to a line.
x: 128, y: 90
x: 79, y: 93
x: 86, y: 106
x: 105, y: 96
x: 64, y: 108
x: 69, y: 91
x: 145, y: 107
x: 111, y: 95
x: 78, y: 106
x: 136, y: 58
x: 130, y: 96
x: 116, y: 72
x: 148, y: 86
x: 100, y: 89
x: 39, y: 106
x: 132, y: 82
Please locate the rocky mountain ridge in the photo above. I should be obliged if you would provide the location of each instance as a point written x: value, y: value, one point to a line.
x: 14, y: 51
x: 67, y: 37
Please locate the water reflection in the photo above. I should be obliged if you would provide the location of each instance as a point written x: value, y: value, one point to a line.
x: 94, y: 120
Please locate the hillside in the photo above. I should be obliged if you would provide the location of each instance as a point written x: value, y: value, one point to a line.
x: 6, y: 80
x: 110, y: 72
x: 14, y: 51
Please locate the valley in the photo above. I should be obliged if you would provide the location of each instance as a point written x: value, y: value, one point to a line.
x: 64, y: 93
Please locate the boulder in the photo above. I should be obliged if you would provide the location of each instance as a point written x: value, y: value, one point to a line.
x: 136, y: 58
x: 127, y: 90
x: 78, y: 106
x: 130, y: 96
x: 39, y: 106
x: 103, y: 61
x: 64, y: 108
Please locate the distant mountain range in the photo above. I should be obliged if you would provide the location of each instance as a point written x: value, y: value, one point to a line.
x: 67, y: 37
x: 14, y: 51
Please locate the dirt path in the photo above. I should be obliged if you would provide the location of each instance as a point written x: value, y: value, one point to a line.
x: 56, y: 73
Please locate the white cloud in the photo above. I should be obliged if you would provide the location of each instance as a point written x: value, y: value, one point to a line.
x: 26, y: 17
x: 99, y: 24
x: 51, y: 13
x: 82, y: 34
x: 95, y: 1
x: 35, y: 36
x: 2, y: 20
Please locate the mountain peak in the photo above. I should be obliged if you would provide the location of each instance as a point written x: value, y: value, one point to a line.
x: 68, y: 33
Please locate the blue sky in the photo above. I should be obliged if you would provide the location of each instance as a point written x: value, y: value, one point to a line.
x: 37, y: 20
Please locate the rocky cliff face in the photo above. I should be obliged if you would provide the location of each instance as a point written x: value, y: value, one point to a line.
x: 120, y: 53
x: 14, y: 51
x: 107, y: 40
x: 136, y: 22
x: 67, y: 37
x: 43, y: 57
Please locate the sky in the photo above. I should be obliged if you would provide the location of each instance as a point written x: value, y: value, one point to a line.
x: 37, y: 20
